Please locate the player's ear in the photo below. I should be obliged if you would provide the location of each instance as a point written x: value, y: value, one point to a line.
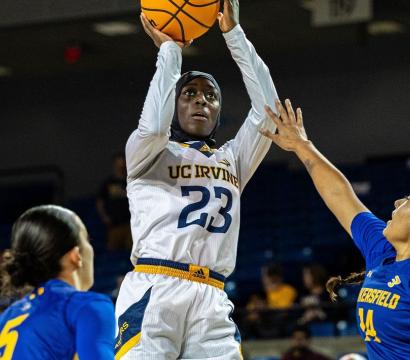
x: 74, y: 257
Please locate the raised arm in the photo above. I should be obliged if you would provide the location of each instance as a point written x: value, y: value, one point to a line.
x: 331, y: 184
x: 249, y: 146
x: 151, y: 136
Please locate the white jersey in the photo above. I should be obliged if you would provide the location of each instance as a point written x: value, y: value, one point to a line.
x: 184, y: 197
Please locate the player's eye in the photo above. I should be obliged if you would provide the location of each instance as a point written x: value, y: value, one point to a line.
x: 189, y: 92
x: 211, y: 96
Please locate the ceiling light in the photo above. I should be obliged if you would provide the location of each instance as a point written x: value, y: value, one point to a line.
x: 5, y: 71
x: 385, y: 27
x: 115, y: 28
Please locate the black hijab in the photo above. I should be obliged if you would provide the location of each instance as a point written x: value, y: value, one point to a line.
x: 179, y: 135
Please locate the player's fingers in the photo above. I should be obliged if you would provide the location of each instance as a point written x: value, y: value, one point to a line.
x: 299, y: 117
x: 270, y: 135
x: 146, y: 24
x: 282, y: 112
x: 185, y: 44
x: 267, y: 133
x: 144, y: 19
x: 269, y: 111
x: 273, y: 116
x: 227, y: 5
x: 289, y: 109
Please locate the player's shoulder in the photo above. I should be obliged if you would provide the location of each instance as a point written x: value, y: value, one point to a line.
x: 229, y: 148
x: 368, y: 235
x: 225, y: 146
x: 367, y: 227
x: 367, y: 219
x: 175, y: 146
x: 16, y: 308
x: 73, y: 298
x: 87, y: 302
x: 85, y: 297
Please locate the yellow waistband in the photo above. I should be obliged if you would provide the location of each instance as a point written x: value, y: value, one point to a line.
x: 195, y: 273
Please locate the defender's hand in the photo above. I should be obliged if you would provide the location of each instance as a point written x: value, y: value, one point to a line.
x: 291, y: 132
x: 230, y: 17
x: 157, y: 36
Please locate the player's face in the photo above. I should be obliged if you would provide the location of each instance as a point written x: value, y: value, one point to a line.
x: 86, y: 271
x: 198, y: 107
x: 398, y: 228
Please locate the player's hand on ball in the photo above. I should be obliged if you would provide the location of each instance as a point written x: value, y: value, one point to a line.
x: 157, y: 36
x: 230, y: 17
x: 291, y: 132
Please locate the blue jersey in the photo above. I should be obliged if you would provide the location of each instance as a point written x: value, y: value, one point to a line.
x: 383, y: 305
x: 58, y: 322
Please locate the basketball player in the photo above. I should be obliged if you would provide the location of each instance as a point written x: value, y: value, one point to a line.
x: 383, y: 305
x: 51, y: 254
x: 184, y: 196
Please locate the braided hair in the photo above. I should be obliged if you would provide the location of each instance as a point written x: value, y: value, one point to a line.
x: 336, y: 281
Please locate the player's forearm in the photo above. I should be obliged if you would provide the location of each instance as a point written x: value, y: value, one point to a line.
x: 159, y: 104
x: 256, y: 75
x: 151, y: 137
x: 331, y: 184
x: 249, y: 146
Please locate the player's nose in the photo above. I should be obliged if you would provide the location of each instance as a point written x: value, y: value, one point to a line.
x: 200, y: 98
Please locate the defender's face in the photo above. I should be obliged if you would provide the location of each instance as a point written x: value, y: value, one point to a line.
x: 198, y: 107
x: 398, y: 228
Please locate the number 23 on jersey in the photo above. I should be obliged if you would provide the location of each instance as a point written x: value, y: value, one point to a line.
x: 202, y: 220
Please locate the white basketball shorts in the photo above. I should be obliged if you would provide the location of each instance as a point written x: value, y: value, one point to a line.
x: 161, y: 317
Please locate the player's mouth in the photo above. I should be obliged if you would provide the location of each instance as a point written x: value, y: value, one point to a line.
x: 200, y: 115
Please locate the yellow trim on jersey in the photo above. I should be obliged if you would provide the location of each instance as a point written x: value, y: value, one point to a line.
x: 127, y: 346
x: 196, y: 273
x: 76, y: 357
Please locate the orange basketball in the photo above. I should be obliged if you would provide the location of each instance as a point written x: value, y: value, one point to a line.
x: 183, y: 20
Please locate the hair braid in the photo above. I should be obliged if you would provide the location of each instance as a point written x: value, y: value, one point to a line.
x: 336, y: 281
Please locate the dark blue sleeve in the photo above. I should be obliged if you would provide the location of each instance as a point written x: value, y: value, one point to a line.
x: 367, y: 233
x: 94, y: 325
